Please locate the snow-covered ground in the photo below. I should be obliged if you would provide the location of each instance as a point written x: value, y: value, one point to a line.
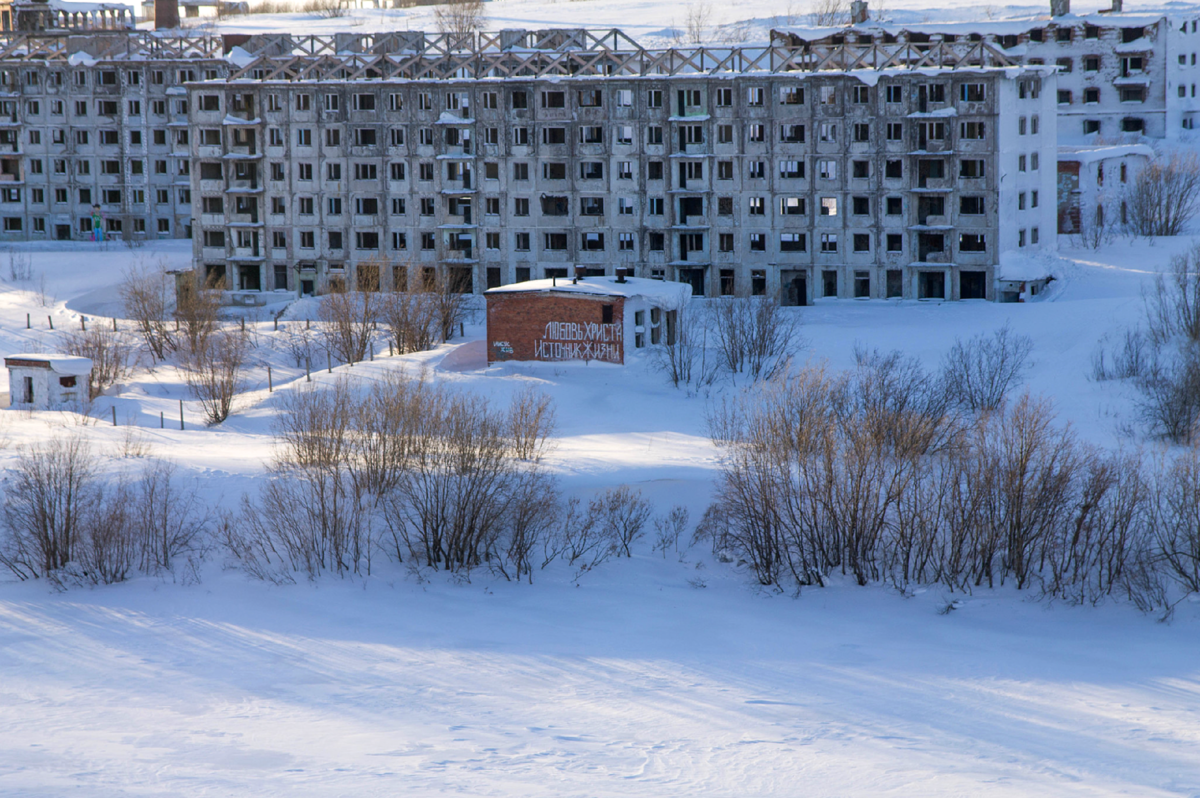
x: 651, y: 676
x: 652, y: 24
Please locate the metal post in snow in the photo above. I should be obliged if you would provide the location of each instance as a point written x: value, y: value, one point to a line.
x: 328, y: 362
x: 270, y: 385
x: 162, y: 420
x: 114, y: 323
x: 307, y: 369
x: 51, y: 320
x: 114, y: 412
x: 26, y: 321
x: 181, y: 415
x: 83, y: 323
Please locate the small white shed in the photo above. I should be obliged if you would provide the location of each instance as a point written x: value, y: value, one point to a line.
x: 47, y: 382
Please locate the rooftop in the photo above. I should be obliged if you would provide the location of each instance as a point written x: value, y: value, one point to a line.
x: 666, y: 293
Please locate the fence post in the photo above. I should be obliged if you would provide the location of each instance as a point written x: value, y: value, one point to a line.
x: 51, y: 320
x: 114, y: 411
x: 270, y: 385
x: 181, y: 415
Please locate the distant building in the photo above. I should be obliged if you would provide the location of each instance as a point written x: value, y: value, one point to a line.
x: 1119, y: 74
x: 1092, y: 181
x: 601, y: 318
x: 47, y: 382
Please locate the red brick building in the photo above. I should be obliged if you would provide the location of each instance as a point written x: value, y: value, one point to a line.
x: 591, y: 318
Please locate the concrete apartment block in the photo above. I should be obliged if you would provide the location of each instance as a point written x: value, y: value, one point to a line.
x: 891, y: 183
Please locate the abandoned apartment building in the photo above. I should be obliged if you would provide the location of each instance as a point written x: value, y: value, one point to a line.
x: 304, y: 163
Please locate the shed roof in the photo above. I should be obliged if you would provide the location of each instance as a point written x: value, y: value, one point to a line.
x: 661, y: 291
x: 60, y: 364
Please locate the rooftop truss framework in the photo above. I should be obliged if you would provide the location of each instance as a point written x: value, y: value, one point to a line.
x: 413, y: 55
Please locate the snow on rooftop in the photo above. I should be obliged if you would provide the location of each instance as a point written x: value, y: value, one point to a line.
x: 61, y: 364
x: 1102, y: 152
x: 666, y: 293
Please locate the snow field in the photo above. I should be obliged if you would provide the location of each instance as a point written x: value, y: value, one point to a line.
x: 652, y: 676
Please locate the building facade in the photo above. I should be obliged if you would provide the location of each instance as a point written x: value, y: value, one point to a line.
x: 94, y: 137
x: 1120, y: 74
x: 807, y: 184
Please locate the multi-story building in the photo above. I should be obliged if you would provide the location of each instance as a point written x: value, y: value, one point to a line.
x: 309, y: 173
x: 1119, y: 74
x: 94, y: 136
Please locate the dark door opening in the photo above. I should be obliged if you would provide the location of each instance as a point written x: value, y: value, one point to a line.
x: 62, y: 232
x: 895, y: 284
x: 931, y: 285
x: 972, y: 285
x: 694, y: 278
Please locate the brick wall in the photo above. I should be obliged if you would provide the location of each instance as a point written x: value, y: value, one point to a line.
x: 549, y: 327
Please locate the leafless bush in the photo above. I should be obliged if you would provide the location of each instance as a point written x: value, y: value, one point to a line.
x: 621, y: 514
x: 1126, y: 359
x: 46, y: 508
x: 696, y: 20
x: 146, y: 292
x: 109, y: 352
x: 531, y: 423
x: 169, y: 519
x: 329, y: 9
x: 582, y: 542
x: 197, y: 311
x: 669, y: 528
x: 1173, y: 306
x: 452, y: 302
x: 981, y: 371
x: 299, y: 343
x: 1097, y: 228
x: 460, y: 17
x: 1169, y: 392
x: 348, y: 323
x: 754, y: 335
x: 432, y: 472
x: 214, y: 372
x: 1165, y: 196
x: 412, y: 319
x: 828, y: 13
x: 681, y: 354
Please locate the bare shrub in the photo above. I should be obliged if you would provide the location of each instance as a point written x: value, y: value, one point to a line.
x: 1173, y: 306
x: 981, y: 371
x: 147, y: 294
x: 412, y: 319
x: 197, y: 311
x: 169, y: 519
x: 681, y: 354
x: 582, y: 542
x: 1164, y: 196
x: 433, y: 472
x: 669, y: 528
x: 531, y: 423
x: 1176, y: 520
x: 1169, y: 392
x: 621, y: 514
x: 1126, y: 359
x: 348, y: 323
x: 1097, y: 228
x: 328, y: 9
x: 754, y: 335
x: 299, y: 343
x: 47, y: 506
x: 213, y: 373
x: 828, y: 13
x: 696, y: 20
x: 451, y: 299
x: 461, y: 18
x: 109, y: 352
